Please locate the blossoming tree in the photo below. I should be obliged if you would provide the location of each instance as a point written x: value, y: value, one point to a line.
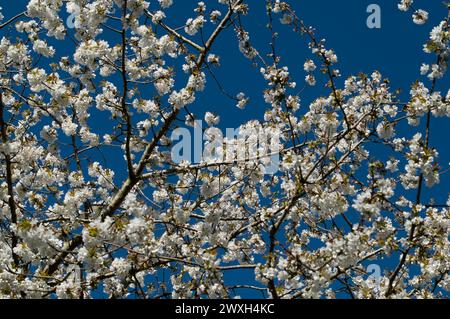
x: 72, y: 227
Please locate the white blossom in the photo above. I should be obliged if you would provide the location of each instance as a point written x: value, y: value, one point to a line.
x: 420, y: 16
x: 119, y: 180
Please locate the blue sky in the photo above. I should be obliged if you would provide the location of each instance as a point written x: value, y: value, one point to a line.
x: 395, y: 50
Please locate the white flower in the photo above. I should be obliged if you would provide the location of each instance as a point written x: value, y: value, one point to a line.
x: 309, y: 66
x: 404, y: 5
x: 310, y: 79
x: 436, y: 72
x: 107, y: 139
x: 48, y: 133
x: 136, y: 229
x: 193, y: 25
x: 424, y: 69
x: 391, y: 110
x: 242, y: 100
x: 146, y: 106
x: 72, y: 8
x: 214, y: 59
x: 158, y: 16
x: 68, y: 127
x: 88, y: 137
x: 181, y: 98
x: 277, y: 7
x: 67, y: 290
x: 385, y: 130
x: 197, y: 82
x: 293, y: 102
x: 121, y: 267
x: 160, y: 195
x: 211, y: 119
x: 331, y: 56
x: 392, y: 165
x: 165, y: 3
x: 420, y: 16
x: 201, y: 7
x: 36, y: 78
x: 214, y: 15
x: 41, y: 47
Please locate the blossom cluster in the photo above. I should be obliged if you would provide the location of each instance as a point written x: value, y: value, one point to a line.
x: 88, y: 181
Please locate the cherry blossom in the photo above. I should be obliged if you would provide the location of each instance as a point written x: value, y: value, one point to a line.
x: 91, y: 210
